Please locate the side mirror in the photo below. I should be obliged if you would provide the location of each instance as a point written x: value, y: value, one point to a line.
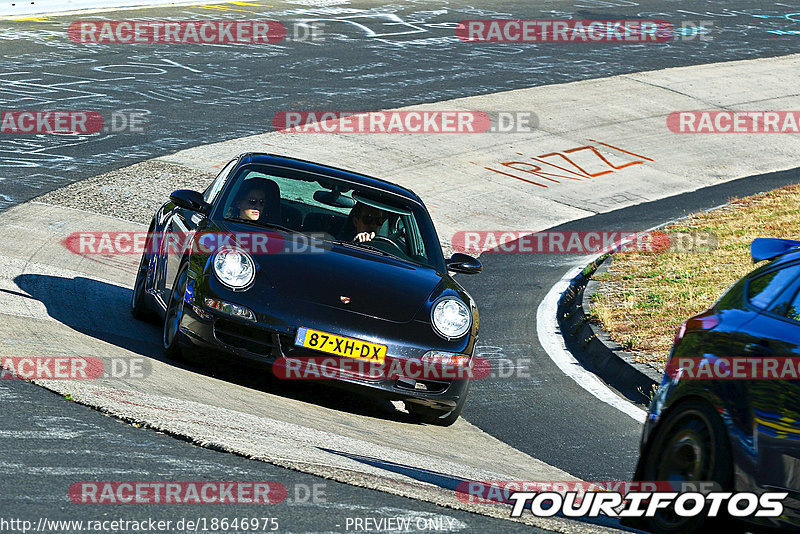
x: 190, y: 200
x: 464, y: 264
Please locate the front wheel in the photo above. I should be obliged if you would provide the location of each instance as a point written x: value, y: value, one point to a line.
x: 141, y: 306
x: 174, y: 315
x: 691, y: 445
x: 432, y: 416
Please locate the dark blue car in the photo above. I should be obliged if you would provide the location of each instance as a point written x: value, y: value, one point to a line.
x: 283, y: 261
x: 741, y: 431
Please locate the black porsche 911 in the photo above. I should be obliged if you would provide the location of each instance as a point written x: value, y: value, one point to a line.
x: 728, y: 409
x: 350, y: 268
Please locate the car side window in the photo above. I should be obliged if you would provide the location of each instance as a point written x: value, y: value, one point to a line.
x: 401, y: 232
x: 210, y: 194
x: 764, y: 291
x: 416, y: 244
x: 792, y: 310
x: 782, y: 305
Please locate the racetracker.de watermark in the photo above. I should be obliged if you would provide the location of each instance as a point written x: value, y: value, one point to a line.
x: 72, y: 368
x: 405, y: 122
x: 727, y: 122
x: 205, y: 492
x: 565, y: 31
x: 72, y: 122
x: 182, y: 31
x: 500, y: 491
x: 581, y: 242
x: 360, y: 366
x: 735, y: 368
x: 137, y: 243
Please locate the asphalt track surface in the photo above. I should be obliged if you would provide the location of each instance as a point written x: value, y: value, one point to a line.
x: 551, y: 417
x: 547, y: 416
x: 386, y: 55
x: 55, y: 442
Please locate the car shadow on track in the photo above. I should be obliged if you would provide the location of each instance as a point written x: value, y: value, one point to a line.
x: 101, y: 310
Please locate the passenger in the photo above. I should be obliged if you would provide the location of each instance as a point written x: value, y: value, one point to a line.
x: 250, y: 202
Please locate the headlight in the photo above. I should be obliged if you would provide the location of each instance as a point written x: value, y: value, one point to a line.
x: 234, y: 267
x: 450, y: 318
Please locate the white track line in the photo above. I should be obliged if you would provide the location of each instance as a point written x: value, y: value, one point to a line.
x: 553, y: 343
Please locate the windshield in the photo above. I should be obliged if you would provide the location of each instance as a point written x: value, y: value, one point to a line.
x: 332, y: 210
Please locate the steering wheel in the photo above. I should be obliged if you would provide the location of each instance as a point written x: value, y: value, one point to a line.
x: 387, y: 240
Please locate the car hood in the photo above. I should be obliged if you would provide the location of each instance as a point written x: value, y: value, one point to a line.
x: 345, y: 278
x: 352, y: 281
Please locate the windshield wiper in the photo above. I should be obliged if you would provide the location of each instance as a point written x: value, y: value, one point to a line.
x: 359, y: 245
x: 355, y: 244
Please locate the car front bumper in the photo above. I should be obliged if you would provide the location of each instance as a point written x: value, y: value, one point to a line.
x: 273, y: 344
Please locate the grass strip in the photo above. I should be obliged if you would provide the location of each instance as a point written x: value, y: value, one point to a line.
x: 643, y: 297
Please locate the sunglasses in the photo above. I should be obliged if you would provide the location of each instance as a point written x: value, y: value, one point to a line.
x: 254, y: 201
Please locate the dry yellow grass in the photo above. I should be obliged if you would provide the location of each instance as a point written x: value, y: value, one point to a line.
x: 644, y: 297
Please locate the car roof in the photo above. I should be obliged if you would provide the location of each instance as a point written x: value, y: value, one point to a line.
x: 335, y: 172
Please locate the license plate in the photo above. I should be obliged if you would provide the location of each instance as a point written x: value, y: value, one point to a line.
x: 340, y: 345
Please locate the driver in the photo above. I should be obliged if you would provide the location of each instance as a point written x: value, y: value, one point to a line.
x: 367, y: 220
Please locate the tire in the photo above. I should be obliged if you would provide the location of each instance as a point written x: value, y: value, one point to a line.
x: 432, y: 416
x: 141, y: 303
x: 691, y: 445
x: 171, y: 338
